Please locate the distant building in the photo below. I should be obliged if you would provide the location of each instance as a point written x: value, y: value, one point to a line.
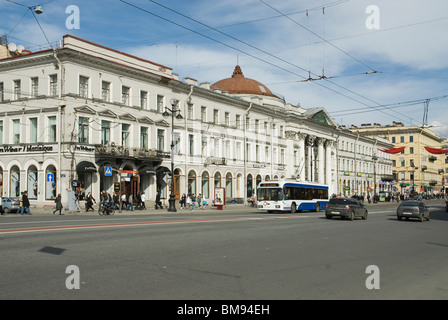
x: 414, y: 166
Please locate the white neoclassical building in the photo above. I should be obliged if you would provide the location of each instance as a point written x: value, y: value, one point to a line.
x: 86, y: 117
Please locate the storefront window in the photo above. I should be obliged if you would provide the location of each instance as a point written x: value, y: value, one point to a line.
x: 192, y: 182
x: 15, y: 182
x: 217, y: 180
x: 205, y: 184
x: 32, y: 182
x: 50, y: 183
x: 249, y: 185
x: 229, y: 185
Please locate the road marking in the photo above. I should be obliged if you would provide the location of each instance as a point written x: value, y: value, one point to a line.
x: 132, y: 224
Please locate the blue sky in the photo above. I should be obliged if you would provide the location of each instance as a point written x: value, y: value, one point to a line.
x: 276, y: 43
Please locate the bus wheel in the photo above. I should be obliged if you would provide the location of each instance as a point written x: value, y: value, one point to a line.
x: 293, y: 208
x: 317, y: 207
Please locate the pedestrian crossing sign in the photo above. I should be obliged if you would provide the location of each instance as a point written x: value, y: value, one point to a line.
x: 108, y: 171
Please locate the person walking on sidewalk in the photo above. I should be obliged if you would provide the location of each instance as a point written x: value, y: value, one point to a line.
x: 58, y: 207
x: 26, y: 203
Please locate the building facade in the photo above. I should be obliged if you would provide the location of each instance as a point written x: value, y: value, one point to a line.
x: 85, y: 117
x: 414, y: 167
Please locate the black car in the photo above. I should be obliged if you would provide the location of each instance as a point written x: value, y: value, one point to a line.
x: 345, y: 208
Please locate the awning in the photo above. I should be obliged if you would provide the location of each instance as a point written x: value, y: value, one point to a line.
x: 86, y: 166
x: 146, y: 170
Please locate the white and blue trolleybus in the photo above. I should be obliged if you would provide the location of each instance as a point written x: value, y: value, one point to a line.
x: 291, y: 196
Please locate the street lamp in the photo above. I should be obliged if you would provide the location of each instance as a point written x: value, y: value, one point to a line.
x: 374, y: 158
x: 175, y: 112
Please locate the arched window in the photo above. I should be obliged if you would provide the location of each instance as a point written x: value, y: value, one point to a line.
x: 249, y: 185
x: 50, y: 183
x: 14, y: 190
x: 217, y: 179
x: 32, y: 182
x: 229, y: 185
x: 258, y: 180
x: 267, y: 178
x: 205, y: 185
x: 192, y: 182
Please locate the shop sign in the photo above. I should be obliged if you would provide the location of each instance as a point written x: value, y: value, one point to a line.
x: 26, y: 148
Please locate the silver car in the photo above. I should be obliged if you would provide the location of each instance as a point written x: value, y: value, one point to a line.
x: 413, y: 209
x: 10, y: 204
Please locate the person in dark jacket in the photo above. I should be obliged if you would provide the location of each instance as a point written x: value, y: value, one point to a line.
x: 58, y: 204
x: 26, y: 203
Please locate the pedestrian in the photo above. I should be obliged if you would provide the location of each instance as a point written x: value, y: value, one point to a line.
x: 204, y: 204
x: 26, y: 203
x: 20, y: 210
x: 143, y: 200
x: 199, y: 200
x: 130, y: 204
x: 158, y: 202
x: 193, y: 200
x: 138, y: 199
x: 123, y: 201
x: 89, y: 202
x: 188, y: 201
x: 58, y: 204
x: 182, y: 201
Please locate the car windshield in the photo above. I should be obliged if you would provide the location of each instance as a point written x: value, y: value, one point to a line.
x: 409, y: 204
x: 266, y: 194
x: 340, y: 201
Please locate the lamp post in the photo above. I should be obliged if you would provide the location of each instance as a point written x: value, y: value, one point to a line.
x: 175, y: 112
x: 374, y: 158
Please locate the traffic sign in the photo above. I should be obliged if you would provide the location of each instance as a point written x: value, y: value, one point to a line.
x: 108, y: 171
x: 50, y: 177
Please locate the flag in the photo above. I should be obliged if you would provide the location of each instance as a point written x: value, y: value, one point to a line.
x: 392, y: 150
x: 436, y: 151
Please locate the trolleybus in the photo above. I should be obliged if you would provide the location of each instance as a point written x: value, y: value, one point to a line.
x: 291, y: 196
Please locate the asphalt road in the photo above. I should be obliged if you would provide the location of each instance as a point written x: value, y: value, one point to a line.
x: 231, y: 255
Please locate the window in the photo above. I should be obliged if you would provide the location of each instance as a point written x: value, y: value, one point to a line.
x: 144, y: 137
x: 14, y: 174
x: 125, y: 95
x: 125, y: 133
x: 401, y: 139
x: 32, y: 182
x: 393, y: 139
x: 215, y: 116
x: 105, y: 91
x: 33, y: 130
x: 411, y: 138
x: 176, y: 148
x: 203, y: 114
x: 50, y: 183
x: 105, y: 132
x: 17, y: 89
x: 1, y: 132
x: 238, y: 121
x: 226, y: 119
x: 257, y: 125
x: 52, y: 129
x: 229, y: 185
x: 2, y: 90
x: 159, y: 103
x: 191, y: 144
x: 205, y: 185
x: 411, y: 150
x: 217, y: 179
x: 34, y: 87
x: 266, y: 155
x: 160, y: 139
x: 192, y: 182
x: 257, y: 153
x: 83, y: 130
x: 53, y: 85
x: 143, y: 99
x: 83, y: 86
x: 189, y: 111
x: 16, y: 131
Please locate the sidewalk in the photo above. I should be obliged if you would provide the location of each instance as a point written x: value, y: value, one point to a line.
x: 48, y: 210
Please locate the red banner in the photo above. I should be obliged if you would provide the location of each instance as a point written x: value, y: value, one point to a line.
x: 392, y: 150
x: 436, y: 151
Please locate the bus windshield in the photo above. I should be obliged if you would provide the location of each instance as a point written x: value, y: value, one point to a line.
x: 269, y: 194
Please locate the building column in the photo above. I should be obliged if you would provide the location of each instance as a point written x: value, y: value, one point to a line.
x: 302, y: 160
x: 328, y: 162
x: 321, y: 163
x: 310, y: 158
